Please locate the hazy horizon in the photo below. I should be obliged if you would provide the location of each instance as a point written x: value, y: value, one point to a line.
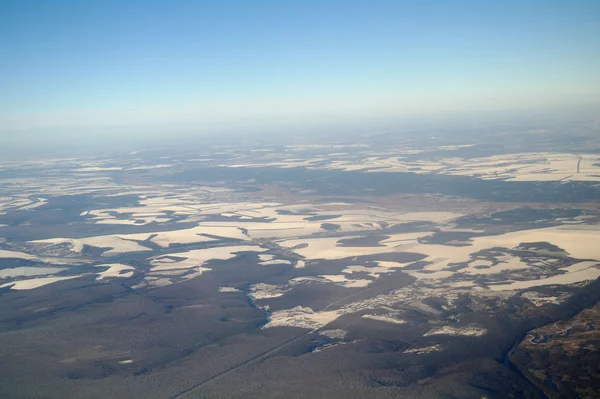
x: 152, y: 70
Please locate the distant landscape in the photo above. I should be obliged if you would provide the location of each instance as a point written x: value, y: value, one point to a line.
x: 350, y: 268
x: 300, y: 199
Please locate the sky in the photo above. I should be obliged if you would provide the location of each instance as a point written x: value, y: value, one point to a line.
x: 76, y: 68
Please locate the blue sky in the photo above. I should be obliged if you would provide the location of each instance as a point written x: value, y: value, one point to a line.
x: 106, y: 65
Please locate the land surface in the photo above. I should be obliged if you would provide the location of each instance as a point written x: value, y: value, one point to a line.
x: 379, y: 266
x: 562, y: 358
